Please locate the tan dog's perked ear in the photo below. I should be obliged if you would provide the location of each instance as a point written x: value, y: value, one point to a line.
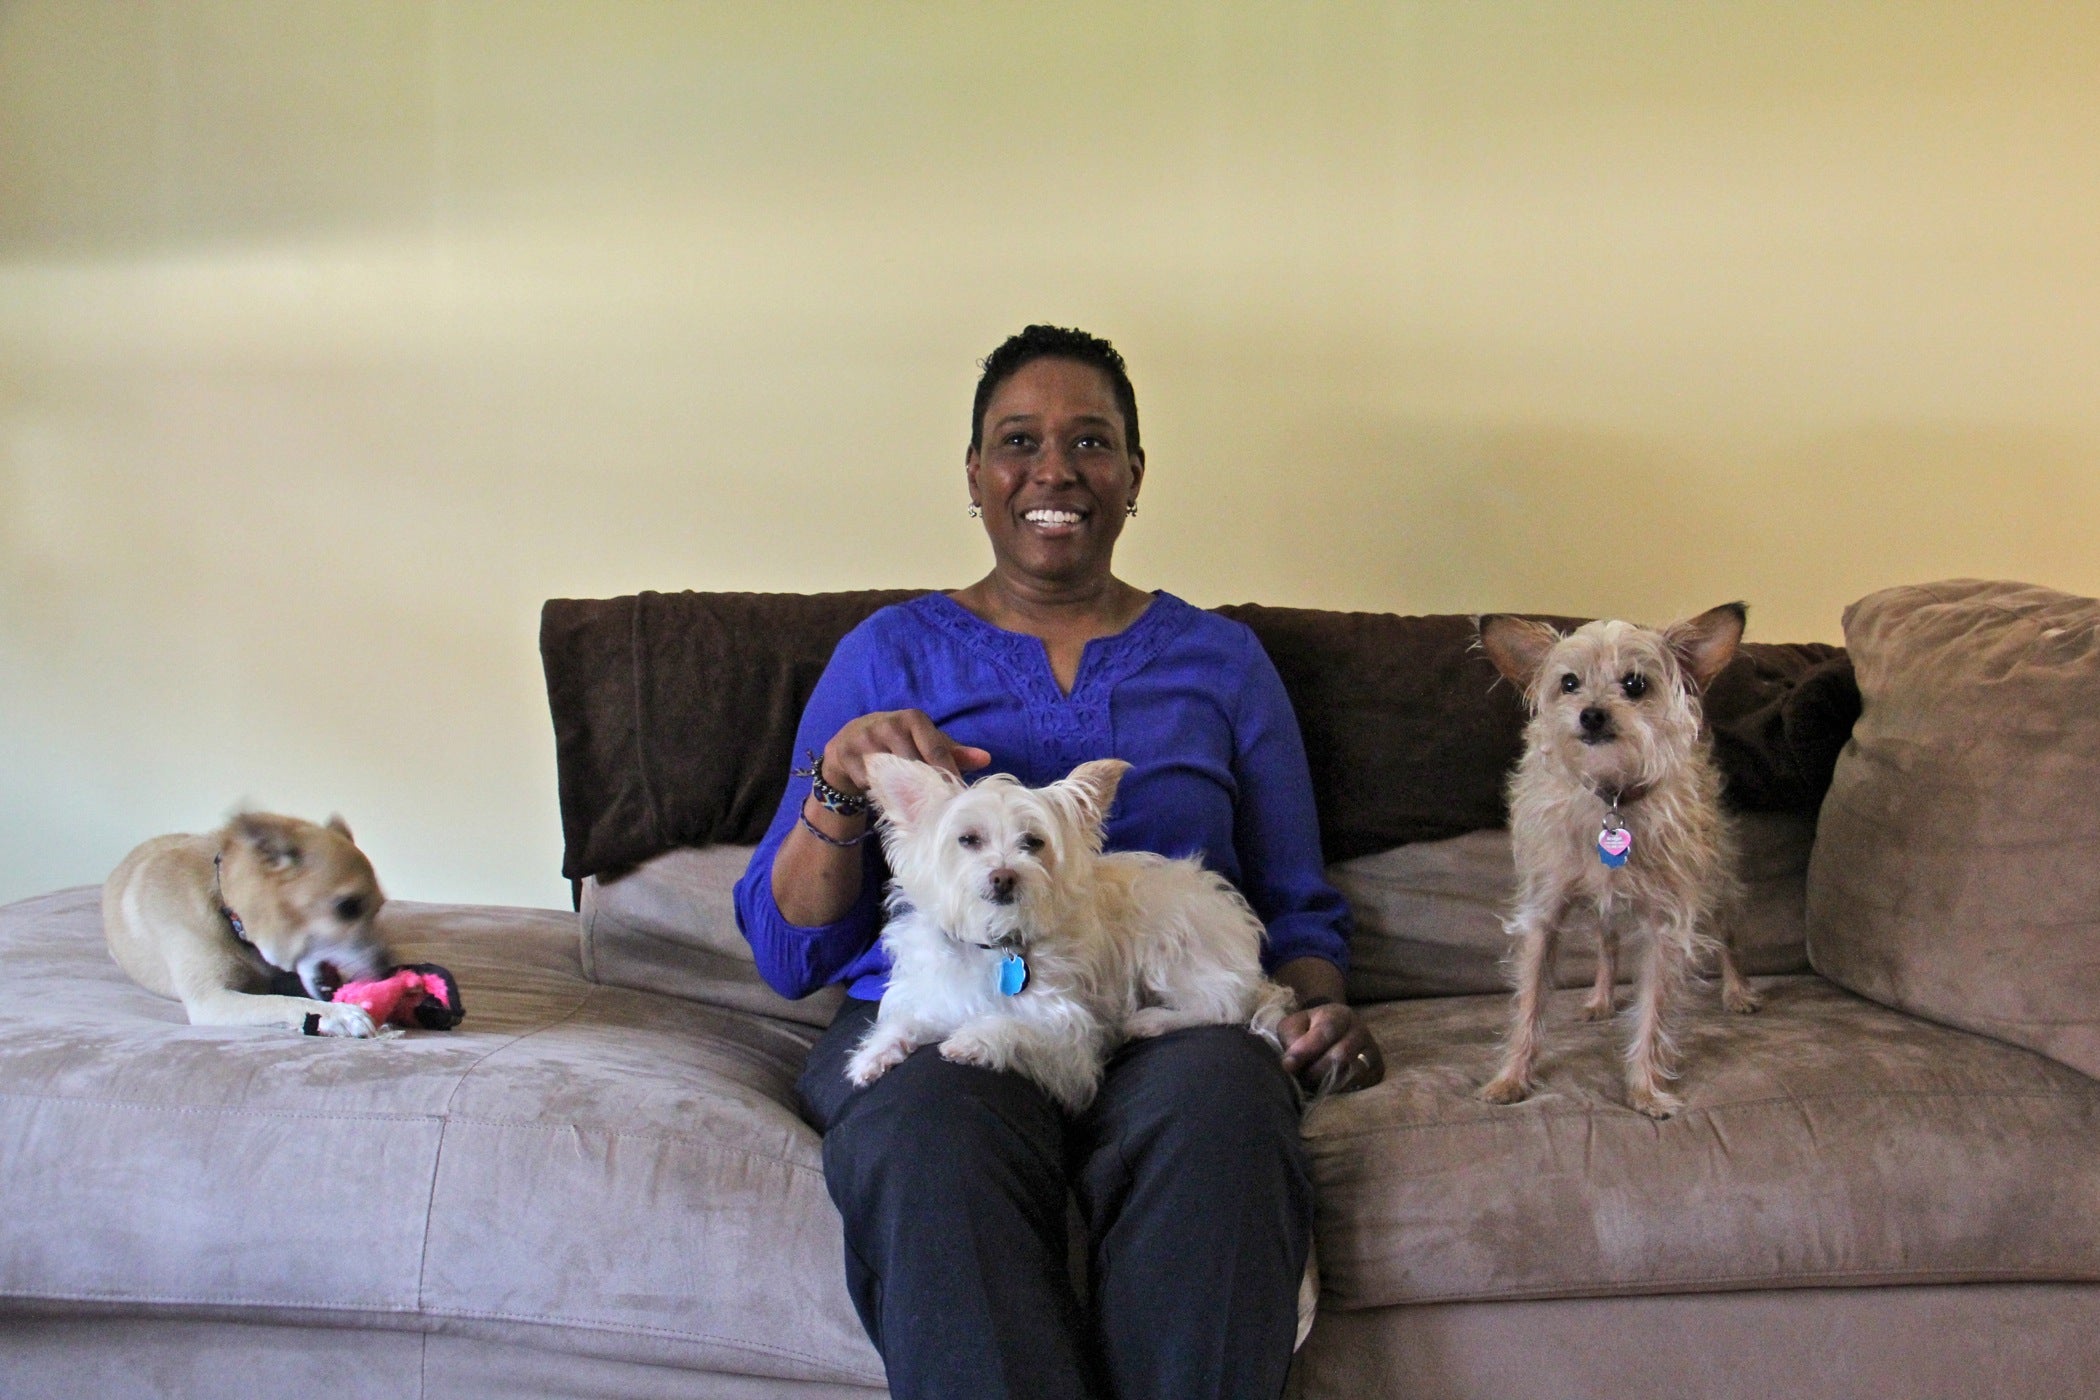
x: 1516, y: 645
x: 271, y: 838
x: 907, y: 791
x: 340, y: 827
x: 1704, y: 645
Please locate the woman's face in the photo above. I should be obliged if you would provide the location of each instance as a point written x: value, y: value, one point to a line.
x: 1053, y: 473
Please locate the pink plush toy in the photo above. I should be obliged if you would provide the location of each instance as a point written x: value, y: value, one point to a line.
x: 420, y: 994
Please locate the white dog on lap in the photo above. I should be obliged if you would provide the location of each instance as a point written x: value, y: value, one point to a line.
x: 1016, y: 944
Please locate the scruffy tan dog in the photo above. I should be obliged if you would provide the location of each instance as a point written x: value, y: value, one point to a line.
x: 1616, y: 805
x: 218, y: 920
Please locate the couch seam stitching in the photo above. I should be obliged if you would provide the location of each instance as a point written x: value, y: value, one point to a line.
x: 694, y: 1140
x: 1658, y: 1286
x: 437, y: 1157
x: 474, y: 1314
x: 1767, y: 1102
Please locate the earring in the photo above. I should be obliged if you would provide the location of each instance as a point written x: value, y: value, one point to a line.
x: 973, y: 510
x: 1131, y: 509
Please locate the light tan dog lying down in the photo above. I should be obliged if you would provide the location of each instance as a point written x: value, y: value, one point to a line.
x: 217, y: 920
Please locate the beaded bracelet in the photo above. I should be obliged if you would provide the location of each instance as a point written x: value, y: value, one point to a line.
x: 831, y: 799
x: 844, y: 845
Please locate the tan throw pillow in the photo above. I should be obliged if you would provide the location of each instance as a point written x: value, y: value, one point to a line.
x: 669, y: 925
x: 1956, y: 871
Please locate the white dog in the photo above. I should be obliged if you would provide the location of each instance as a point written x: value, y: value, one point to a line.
x: 1016, y: 944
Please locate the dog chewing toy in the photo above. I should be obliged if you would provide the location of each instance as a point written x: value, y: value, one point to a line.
x: 416, y: 994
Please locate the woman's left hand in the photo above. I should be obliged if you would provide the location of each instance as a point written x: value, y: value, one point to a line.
x: 1327, y: 1037
x: 1330, y: 1039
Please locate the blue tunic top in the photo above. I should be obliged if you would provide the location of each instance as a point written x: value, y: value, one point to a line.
x: 1187, y: 697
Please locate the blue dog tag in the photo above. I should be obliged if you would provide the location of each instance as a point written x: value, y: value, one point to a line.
x: 1013, y: 974
x: 1614, y: 843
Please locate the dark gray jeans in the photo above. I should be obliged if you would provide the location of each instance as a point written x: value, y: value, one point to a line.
x: 952, y: 1183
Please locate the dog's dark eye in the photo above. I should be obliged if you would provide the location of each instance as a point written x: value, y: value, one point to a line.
x: 1030, y: 843
x: 969, y: 840
x: 1635, y: 685
x: 1569, y: 684
x: 349, y: 908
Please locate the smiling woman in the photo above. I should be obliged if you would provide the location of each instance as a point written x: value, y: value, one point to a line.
x: 951, y: 1178
x: 1055, y: 471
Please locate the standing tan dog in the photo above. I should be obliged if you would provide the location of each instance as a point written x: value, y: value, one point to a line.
x: 1616, y: 804
x: 218, y: 920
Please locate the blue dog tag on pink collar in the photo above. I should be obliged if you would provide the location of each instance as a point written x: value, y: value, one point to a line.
x: 1013, y: 974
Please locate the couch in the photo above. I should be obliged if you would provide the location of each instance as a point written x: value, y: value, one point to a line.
x: 1885, y: 1184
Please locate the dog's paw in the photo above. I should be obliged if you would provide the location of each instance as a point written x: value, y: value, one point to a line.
x: 1507, y: 1088
x: 969, y: 1048
x: 1596, y: 1008
x: 1742, y: 999
x: 871, y: 1062
x: 1655, y: 1103
x: 339, y: 1018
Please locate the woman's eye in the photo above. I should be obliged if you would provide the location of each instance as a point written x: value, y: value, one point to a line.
x: 1030, y: 844
x: 1635, y: 685
x: 1569, y: 685
x: 969, y: 840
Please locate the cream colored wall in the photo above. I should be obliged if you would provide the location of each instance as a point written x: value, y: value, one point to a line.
x: 334, y: 337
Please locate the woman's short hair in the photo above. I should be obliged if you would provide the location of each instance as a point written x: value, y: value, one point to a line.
x: 1054, y: 343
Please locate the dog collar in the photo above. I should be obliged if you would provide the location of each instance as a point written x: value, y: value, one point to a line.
x: 1615, y: 798
x: 233, y: 920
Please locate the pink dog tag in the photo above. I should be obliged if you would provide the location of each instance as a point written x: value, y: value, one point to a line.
x: 1614, y: 843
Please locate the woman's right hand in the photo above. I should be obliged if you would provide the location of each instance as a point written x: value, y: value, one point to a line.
x: 817, y: 871
x: 905, y: 733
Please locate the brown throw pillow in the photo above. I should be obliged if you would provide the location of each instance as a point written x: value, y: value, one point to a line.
x: 1956, y: 870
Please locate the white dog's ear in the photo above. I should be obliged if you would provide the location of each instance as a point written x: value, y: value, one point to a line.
x: 1706, y: 644
x: 1090, y: 789
x: 907, y: 790
x: 1516, y: 645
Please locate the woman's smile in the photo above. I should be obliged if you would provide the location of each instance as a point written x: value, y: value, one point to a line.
x: 1055, y: 523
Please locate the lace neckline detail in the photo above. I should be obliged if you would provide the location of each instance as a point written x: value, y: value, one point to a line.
x: 1025, y: 659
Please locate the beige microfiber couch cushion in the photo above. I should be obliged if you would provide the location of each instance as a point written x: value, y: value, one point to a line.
x: 1427, y: 921
x: 1825, y: 1142
x: 1956, y: 872
x: 1428, y: 917
x: 582, y: 1169
x: 669, y: 925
